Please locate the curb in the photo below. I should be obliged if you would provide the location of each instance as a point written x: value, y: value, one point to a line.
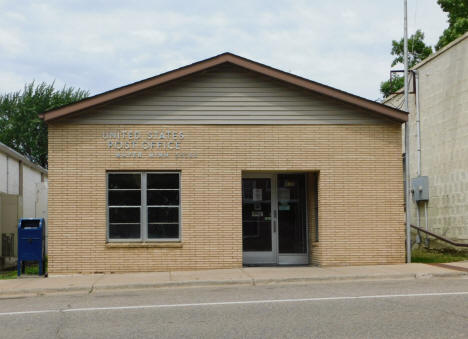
x: 175, y: 284
x: 42, y: 291
x: 217, y: 283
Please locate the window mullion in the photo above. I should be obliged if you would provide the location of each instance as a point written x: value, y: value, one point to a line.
x: 122, y: 196
x: 144, y: 209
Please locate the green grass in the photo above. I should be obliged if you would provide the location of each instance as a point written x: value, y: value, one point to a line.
x: 12, y: 273
x: 424, y: 255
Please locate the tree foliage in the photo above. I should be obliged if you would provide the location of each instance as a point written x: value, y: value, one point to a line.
x: 457, y: 11
x: 391, y: 86
x: 20, y: 125
x: 417, y: 51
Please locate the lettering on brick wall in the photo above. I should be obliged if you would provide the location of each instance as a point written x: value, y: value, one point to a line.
x: 156, y: 144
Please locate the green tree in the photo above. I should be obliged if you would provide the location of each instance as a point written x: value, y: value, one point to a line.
x: 417, y: 51
x: 20, y: 125
x: 391, y: 86
x: 457, y: 11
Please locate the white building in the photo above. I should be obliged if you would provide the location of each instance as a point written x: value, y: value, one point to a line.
x: 23, y: 194
x: 440, y: 82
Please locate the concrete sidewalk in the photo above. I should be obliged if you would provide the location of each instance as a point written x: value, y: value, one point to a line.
x: 247, y: 276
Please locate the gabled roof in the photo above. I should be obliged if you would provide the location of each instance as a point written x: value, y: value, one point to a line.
x: 106, y: 97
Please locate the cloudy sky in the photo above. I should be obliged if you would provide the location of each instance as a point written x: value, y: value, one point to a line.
x: 99, y: 45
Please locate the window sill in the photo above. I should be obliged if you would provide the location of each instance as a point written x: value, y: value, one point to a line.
x: 144, y: 245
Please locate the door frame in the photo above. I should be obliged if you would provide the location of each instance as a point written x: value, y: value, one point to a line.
x: 265, y: 257
x: 274, y: 257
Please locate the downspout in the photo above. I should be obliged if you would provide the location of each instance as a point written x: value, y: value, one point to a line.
x: 418, y: 123
x: 418, y: 149
x: 418, y: 134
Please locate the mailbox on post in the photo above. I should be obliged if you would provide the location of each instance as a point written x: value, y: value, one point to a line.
x: 31, y: 242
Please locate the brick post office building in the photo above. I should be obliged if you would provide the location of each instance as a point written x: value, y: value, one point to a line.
x: 222, y: 163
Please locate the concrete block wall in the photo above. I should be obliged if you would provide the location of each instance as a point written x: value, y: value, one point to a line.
x: 361, y: 216
x: 444, y: 140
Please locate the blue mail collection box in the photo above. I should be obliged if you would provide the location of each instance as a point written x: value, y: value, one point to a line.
x: 31, y: 242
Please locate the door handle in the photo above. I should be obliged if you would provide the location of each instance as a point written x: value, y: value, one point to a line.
x: 275, y: 220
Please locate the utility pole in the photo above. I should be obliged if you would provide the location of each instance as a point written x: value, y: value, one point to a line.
x: 407, y: 141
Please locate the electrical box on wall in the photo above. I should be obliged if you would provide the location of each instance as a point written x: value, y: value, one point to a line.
x: 420, y: 188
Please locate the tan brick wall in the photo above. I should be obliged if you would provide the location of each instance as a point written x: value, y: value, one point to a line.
x: 361, y: 217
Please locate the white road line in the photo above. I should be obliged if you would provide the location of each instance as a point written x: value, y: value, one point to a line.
x: 222, y: 303
x: 29, y: 312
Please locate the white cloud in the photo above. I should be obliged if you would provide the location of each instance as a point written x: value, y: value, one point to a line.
x: 11, y: 82
x: 99, y: 45
x: 11, y: 43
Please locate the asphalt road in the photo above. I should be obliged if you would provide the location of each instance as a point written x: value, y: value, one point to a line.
x: 432, y: 308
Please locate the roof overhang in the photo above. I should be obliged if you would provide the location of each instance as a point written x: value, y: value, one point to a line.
x: 118, y: 93
x: 21, y: 158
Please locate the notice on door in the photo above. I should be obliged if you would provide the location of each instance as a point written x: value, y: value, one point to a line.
x: 257, y: 194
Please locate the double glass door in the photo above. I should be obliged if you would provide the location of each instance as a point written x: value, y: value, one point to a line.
x: 274, y: 223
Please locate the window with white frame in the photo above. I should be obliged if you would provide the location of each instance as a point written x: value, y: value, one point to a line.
x: 143, y: 206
